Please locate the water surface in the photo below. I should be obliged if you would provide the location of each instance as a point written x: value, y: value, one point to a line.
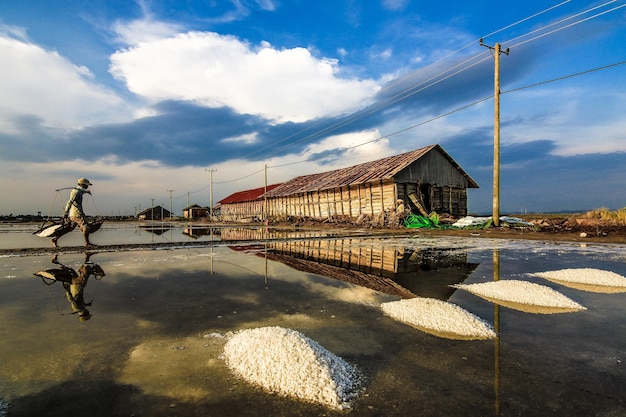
x: 158, y: 320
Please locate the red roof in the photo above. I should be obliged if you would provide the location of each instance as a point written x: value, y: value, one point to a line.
x: 247, y: 195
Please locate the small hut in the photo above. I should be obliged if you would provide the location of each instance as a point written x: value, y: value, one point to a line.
x: 426, y: 179
x: 154, y: 213
x: 195, y: 212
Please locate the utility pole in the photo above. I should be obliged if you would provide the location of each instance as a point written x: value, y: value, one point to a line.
x: 210, y: 171
x: 170, y: 191
x: 264, y: 197
x: 496, y: 50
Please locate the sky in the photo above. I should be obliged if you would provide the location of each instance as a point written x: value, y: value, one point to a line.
x: 181, y: 102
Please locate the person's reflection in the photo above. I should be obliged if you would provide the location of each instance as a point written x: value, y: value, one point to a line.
x: 74, y: 282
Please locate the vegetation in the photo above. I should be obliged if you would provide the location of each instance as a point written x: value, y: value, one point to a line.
x: 617, y: 217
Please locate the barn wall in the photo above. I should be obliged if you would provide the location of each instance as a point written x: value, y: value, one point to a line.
x: 243, y: 210
x: 440, y: 199
x: 433, y: 168
x: 350, y: 201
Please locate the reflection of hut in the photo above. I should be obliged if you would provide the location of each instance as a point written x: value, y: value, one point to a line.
x: 196, y: 232
x: 154, y: 213
x: 244, y: 205
x: 369, y: 263
x: 427, y: 179
x: 195, y: 212
x: 156, y: 229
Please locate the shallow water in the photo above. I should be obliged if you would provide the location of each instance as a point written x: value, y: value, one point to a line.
x: 153, y: 343
x: 15, y: 236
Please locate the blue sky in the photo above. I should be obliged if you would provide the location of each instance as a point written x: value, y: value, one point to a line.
x: 148, y: 96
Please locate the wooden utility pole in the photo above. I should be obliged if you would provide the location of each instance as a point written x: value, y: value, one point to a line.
x: 170, y: 191
x: 496, y: 130
x: 265, y: 192
x: 211, y: 171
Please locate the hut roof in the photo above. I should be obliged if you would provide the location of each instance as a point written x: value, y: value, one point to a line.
x: 155, y: 209
x: 381, y: 169
x: 247, y: 195
x: 194, y: 206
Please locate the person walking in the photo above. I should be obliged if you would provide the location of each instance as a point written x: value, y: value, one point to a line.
x: 74, y: 212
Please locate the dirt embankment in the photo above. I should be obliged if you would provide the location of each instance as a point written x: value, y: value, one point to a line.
x: 540, y: 227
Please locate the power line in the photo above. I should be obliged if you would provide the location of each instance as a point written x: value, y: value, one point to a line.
x: 562, y: 20
x: 412, y: 90
x: 461, y: 108
x: 432, y: 119
x: 565, y: 77
x: 436, y: 79
x: 390, y: 101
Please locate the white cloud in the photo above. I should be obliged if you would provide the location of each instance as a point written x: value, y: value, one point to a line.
x: 218, y: 70
x: 267, y: 5
x: 247, y: 138
x: 395, y: 4
x: 143, y: 30
x: 44, y: 84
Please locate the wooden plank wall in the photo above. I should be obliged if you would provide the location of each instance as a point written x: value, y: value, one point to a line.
x: 243, y: 210
x: 451, y: 200
x: 350, y: 201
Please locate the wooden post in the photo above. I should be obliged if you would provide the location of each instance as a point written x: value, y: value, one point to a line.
x: 496, y: 131
x: 264, y: 217
x: 496, y: 138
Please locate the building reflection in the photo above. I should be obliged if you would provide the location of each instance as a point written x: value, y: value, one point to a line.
x: 388, y: 268
x: 197, y: 232
x: 156, y: 229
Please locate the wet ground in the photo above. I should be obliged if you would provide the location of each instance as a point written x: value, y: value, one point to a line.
x: 158, y: 319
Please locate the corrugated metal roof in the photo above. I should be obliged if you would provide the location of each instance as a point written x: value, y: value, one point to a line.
x: 382, y: 169
x: 247, y: 195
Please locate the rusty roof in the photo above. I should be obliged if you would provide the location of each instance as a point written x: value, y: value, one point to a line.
x: 247, y: 195
x: 382, y: 169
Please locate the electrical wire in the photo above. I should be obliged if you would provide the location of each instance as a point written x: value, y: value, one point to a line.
x: 410, y: 93
x: 390, y: 101
x: 415, y: 89
x: 458, y: 109
x: 436, y: 79
x: 569, y: 25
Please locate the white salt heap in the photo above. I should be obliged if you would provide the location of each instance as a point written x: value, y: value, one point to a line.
x: 522, y: 293
x: 586, y: 276
x: 439, y: 318
x: 287, y: 362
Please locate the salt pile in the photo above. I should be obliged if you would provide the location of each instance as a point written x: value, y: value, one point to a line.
x: 522, y: 295
x: 439, y: 318
x: 287, y: 362
x: 587, y: 279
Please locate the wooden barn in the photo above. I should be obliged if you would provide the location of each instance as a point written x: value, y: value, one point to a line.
x: 243, y: 205
x: 426, y: 180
